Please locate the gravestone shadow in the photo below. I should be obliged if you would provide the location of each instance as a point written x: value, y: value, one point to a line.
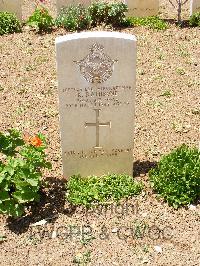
x: 184, y: 23
x: 52, y: 202
x: 142, y: 167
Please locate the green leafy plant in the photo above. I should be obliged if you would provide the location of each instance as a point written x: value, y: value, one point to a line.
x: 153, y: 22
x: 180, y: 71
x: 166, y: 93
x: 41, y: 20
x: 9, y: 23
x: 177, y: 176
x: 93, y: 189
x: 2, y: 238
x: 140, y: 228
x: 108, y: 13
x: 195, y: 20
x: 73, y: 18
x: 21, y: 162
x: 82, y: 258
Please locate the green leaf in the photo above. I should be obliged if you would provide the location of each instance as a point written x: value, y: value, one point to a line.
x: 25, y: 195
x: 4, y: 196
x: 10, y: 141
x: 33, y: 179
x: 9, y: 170
x: 11, y: 208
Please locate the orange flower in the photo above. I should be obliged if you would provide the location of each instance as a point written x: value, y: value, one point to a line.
x: 35, y: 141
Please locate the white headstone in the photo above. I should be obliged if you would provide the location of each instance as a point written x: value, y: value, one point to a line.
x: 142, y: 8
x: 96, y: 80
x: 13, y: 6
x: 64, y: 3
x: 194, y: 6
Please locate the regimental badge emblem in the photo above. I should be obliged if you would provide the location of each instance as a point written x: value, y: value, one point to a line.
x: 96, y: 67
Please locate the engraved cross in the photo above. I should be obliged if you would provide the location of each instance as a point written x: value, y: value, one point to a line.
x: 97, y: 124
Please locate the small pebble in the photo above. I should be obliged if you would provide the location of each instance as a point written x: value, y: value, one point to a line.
x: 192, y: 207
x: 158, y: 249
x: 42, y: 222
x: 54, y: 234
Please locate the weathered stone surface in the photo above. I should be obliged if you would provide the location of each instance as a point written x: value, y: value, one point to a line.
x: 194, y: 6
x: 142, y: 8
x: 64, y: 3
x: 13, y: 6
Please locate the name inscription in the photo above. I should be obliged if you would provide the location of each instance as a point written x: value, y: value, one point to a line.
x: 90, y: 97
